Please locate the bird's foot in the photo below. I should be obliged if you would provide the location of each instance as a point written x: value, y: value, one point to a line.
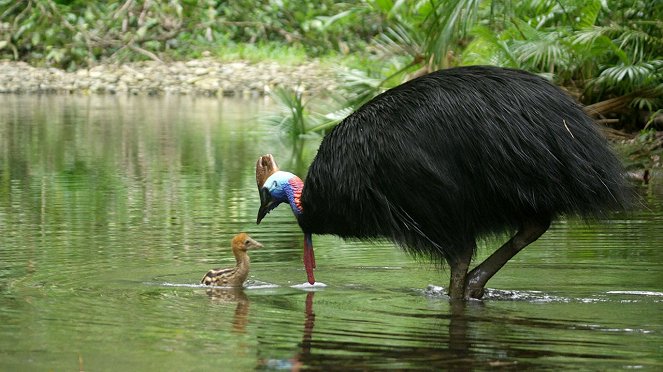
x: 474, y: 284
x: 474, y: 292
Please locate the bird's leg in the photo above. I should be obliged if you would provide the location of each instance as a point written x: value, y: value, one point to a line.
x: 459, y: 265
x: 309, y: 258
x: 479, y: 276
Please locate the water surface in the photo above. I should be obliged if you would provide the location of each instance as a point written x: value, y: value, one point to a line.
x: 112, y: 209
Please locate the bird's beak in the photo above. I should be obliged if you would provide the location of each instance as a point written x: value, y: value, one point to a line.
x: 253, y: 244
x: 266, y: 204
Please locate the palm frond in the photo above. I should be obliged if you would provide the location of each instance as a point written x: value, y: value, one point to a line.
x: 488, y: 48
x: 543, y: 49
x: 447, y: 21
x: 597, y: 43
x: 401, y: 39
x: 629, y: 43
x: 292, y: 116
x: 643, y: 79
x: 645, y: 103
x: 360, y: 86
x: 589, y: 14
x: 633, y: 74
x: 330, y: 119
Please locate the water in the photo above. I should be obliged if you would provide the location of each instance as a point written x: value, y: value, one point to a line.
x: 112, y: 209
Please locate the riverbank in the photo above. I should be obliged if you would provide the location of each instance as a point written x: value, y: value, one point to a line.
x: 197, y: 77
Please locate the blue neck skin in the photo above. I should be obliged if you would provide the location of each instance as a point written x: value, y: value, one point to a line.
x: 286, y: 187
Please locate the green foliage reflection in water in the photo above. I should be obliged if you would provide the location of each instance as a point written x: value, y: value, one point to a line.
x: 127, y: 183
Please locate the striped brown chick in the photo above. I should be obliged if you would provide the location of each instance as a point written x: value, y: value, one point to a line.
x: 235, y: 276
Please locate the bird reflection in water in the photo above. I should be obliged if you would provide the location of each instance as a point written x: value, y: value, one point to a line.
x: 228, y: 295
x: 452, y: 345
x: 303, y: 358
x: 309, y: 323
x: 451, y: 348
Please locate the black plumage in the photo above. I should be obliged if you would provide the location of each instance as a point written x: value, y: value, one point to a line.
x: 452, y: 156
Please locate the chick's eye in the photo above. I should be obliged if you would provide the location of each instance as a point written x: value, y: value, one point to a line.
x: 247, y: 241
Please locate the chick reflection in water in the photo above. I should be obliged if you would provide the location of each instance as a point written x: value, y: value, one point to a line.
x: 235, y: 276
x: 226, y: 296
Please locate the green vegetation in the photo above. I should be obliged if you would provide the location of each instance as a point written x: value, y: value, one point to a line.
x: 609, y: 54
x: 72, y: 33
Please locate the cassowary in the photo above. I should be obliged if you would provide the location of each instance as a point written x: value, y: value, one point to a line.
x: 450, y: 157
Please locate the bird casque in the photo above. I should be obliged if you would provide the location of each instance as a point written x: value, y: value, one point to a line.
x: 450, y: 157
x: 235, y: 276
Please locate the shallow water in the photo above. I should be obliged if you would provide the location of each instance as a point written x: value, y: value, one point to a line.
x: 112, y: 209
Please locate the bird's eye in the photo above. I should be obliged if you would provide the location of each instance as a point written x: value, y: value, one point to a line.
x: 247, y: 241
x: 274, y: 184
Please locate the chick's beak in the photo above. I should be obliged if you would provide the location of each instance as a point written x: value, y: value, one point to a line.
x: 253, y: 244
x: 266, y: 203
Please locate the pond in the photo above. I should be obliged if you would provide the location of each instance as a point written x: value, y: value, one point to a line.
x: 113, y: 208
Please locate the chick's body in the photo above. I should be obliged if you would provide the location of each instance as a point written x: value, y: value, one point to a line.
x: 235, y: 276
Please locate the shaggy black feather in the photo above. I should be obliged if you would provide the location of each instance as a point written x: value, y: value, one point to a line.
x: 458, y: 154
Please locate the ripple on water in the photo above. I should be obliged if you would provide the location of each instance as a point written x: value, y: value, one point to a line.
x: 638, y: 293
x: 538, y: 296
x: 310, y: 287
x: 248, y: 285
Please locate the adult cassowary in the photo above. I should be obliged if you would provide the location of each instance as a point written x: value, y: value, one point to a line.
x: 447, y: 158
